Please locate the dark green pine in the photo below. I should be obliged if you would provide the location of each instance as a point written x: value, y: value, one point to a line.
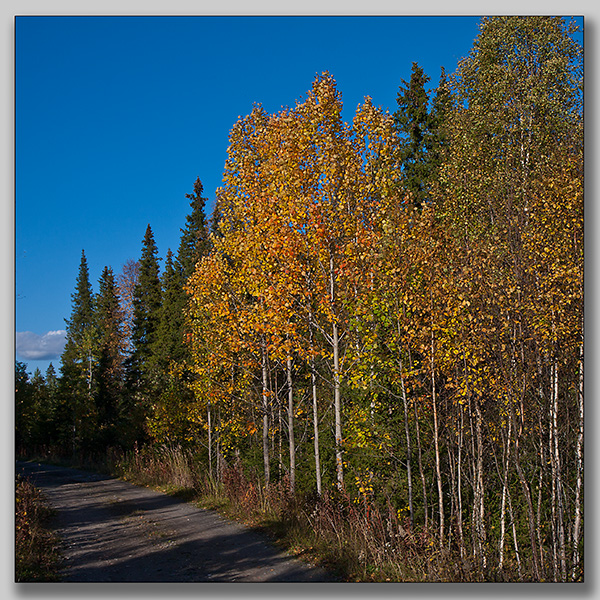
x: 146, y: 309
x: 110, y: 359
x: 194, y: 243
x: 81, y: 323
x: 437, y: 139
x: 412, y: 126
x: 77, y: 382
x: 169, y: 345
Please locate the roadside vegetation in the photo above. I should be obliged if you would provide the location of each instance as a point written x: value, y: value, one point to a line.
x: 358, y: 542
x: 36, y: 546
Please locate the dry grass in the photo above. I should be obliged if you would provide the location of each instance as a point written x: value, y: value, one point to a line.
x: 36, y: 547
x: 362, y: 542
x: 166, y: 467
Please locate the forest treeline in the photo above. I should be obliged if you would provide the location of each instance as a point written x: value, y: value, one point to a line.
x: 388, y: 310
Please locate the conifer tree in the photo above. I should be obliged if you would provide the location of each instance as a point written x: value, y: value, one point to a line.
x: 41, y: 412
x: 168, y: 421
x: 51, y: 379
x: 438, y: 139
x: 110, y: 358
x: 141, y: 364
x: 421, y: 133
x: 80, y: 327
x: 52, y: 386
x: 170, y: 349
x: 78, y: 358
x: 23, y: 405
x: 194, y: 242
x: 146, y: 308
x: 412, y: 125
x: 173, y: 360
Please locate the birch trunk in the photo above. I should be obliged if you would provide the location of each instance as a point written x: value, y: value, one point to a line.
x: 265, y: 411
x: 527, y: 494
x: 438, y: 473
x: 504, y: 494
x: 315, y: 408
x: 209, y: 422
x: 291, y: 425
x: 557, y: 492
x: 337, y: 402
x: 421, y: 471
x: 459, y: 483
x: 408, y: 448
x: 579, y: 456
x: 337, y: 408
x: 481, y: 533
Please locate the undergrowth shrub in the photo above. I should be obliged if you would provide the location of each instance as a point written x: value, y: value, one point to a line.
x: 360, y: 541
x: 36, y: 547
x: 164, y: 466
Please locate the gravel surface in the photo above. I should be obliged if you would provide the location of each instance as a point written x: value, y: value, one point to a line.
x: 115, y: 531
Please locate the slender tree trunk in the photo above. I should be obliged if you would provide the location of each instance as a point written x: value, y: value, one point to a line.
x: 265, y: 412
x: 218, y: 461
x: 505, y: 462
x: 579, y: 458
x: 527, y: 494
x: 313, y: 382
x: 421, y: 471
x: 459, y: 483
x: 553, y: 502
x: 210, y: 450
x: 514, y: 532
x: 279, y: 437
x: 408, y: 448
x: 477, y: 480
x: 481, y: 533
x: 438, y: 473
x: 337, y: 409
x: 313, y: 378
x: 339, y: 464
x: 291, y: 425
x: 557, y: 492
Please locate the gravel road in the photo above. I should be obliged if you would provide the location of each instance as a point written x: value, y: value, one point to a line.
x: 114, y: 531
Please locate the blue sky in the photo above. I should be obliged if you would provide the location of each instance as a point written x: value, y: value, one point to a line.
x: 117, y: 116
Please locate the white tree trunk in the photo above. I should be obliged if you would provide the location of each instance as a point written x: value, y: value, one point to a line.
x: 265, y: 411
x: 291, y: 425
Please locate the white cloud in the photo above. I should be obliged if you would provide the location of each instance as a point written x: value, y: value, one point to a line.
x: 31, y: 346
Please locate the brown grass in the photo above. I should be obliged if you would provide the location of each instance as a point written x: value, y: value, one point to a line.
x: 361, y: 542
x: 36, y: 547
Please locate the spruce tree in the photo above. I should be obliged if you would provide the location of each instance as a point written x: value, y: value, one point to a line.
x: 23, y: 406
x: 172, y: 395
x: 421, y: 132
x: 194, y: 242
x: 51, y: 379
x: 146, y: 307
x: 170, y: 337
x: 41, y: 410
x: 141, y: 364
x: 52, y: 386
x: 171, y: 355
x: 110, y: 357
x: 81, y: 326
x: 412, y: 124
x: 77, y: 381
x: 437, y: 142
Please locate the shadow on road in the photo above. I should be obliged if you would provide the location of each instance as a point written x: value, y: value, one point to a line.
x: 115, y: 531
